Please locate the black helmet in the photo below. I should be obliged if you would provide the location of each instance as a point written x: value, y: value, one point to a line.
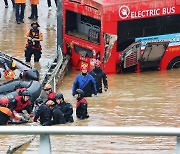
x: 39, y: 101
x: 80, y: 91
x: 25, y: 93
x: 59, y: 96
x: 35, y: 23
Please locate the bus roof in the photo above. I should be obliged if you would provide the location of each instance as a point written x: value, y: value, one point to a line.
x: 114, y: 2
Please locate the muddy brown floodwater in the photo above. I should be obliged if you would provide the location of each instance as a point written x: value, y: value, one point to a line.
x: 145, y: 99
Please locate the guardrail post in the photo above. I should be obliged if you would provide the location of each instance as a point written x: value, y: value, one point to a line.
x: 45, y: 144
x: 54, y: 84
x: 178, y: 145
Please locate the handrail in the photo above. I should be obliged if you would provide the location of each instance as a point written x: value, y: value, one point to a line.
x: 91, y: 130
x: 45, y: 131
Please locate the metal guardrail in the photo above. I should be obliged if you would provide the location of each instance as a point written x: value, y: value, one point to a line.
x: 45, y: 131
x: 56, y: 71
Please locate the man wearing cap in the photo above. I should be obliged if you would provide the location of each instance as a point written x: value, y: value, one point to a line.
x: 99, y: 76
x: 34, y: 36
x: 85, y: 82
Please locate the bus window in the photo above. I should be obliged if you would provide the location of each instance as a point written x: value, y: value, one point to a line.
x: 150, y: 31
x: 84, y: 51
x: 129, y: 30
x: 84, y: 27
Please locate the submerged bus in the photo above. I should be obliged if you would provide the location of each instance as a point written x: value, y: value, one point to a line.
x: 125, y: 35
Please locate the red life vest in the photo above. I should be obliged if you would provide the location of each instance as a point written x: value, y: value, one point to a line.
x: 52, y: 96
x: 83, y: 100
x: 20, y: 106
x: 34, y: 45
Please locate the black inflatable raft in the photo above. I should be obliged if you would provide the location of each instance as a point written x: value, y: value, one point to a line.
x: 12, y: 68
x: 8, y: 89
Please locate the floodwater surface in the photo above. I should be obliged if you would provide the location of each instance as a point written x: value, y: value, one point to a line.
x: 145, y: 99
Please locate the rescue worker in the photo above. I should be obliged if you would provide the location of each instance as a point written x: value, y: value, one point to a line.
x: 66, y: 108
x: 6, y: 113
x: 58, y: 117
x: 99, y: 76
x: 20, y: 7
x: 81, y: 105
x: 85, y: 82
x: 22, y: 102
x: 34, y: 36
x: 34, y: 9
x: 43, y: 112
x: 49, y: 92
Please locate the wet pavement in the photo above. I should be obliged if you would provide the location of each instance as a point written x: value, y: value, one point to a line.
x: 12, y: 40
x: 145, y: 99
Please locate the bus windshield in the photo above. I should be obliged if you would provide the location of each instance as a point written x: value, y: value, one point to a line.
x: 84, y: 27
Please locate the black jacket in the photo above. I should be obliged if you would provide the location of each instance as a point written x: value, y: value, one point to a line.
x: 99, y: 76
x: 58, y: 117
x: 44, y: 113
x: 81, y: 108
x: 66, y: 108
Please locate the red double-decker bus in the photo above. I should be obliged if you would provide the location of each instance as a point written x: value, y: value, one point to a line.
x: 125, y: 35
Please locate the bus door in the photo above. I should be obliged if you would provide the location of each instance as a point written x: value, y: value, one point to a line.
x: 131, y: 55
x: 153, y: 54
x: 109, y: 40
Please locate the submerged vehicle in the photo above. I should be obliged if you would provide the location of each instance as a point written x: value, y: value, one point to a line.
x: 12, y: 68
x: 106, y: 29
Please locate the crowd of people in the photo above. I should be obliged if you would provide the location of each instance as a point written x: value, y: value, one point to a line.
x: 54, y: 109
x: 20, y: 5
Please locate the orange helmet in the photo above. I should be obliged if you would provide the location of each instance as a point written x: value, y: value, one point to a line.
x: 9, y: 74
x: 83, y: 67
x: 50, y: 103
x: 97, y: 62
x: 4, y: 101
x: 47, y: 87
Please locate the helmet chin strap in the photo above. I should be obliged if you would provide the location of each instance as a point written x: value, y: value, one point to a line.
x: 84, y: 74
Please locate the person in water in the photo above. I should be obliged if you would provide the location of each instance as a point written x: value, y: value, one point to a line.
x: 6, y: 113
x: 81, y: 105
x: 65, y: 107
x: 99, y: 76
x: 57, y: 114
x: 49, y: 92
x: 22, y: 102
x: 85, y: 82
x: 43, y: 113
